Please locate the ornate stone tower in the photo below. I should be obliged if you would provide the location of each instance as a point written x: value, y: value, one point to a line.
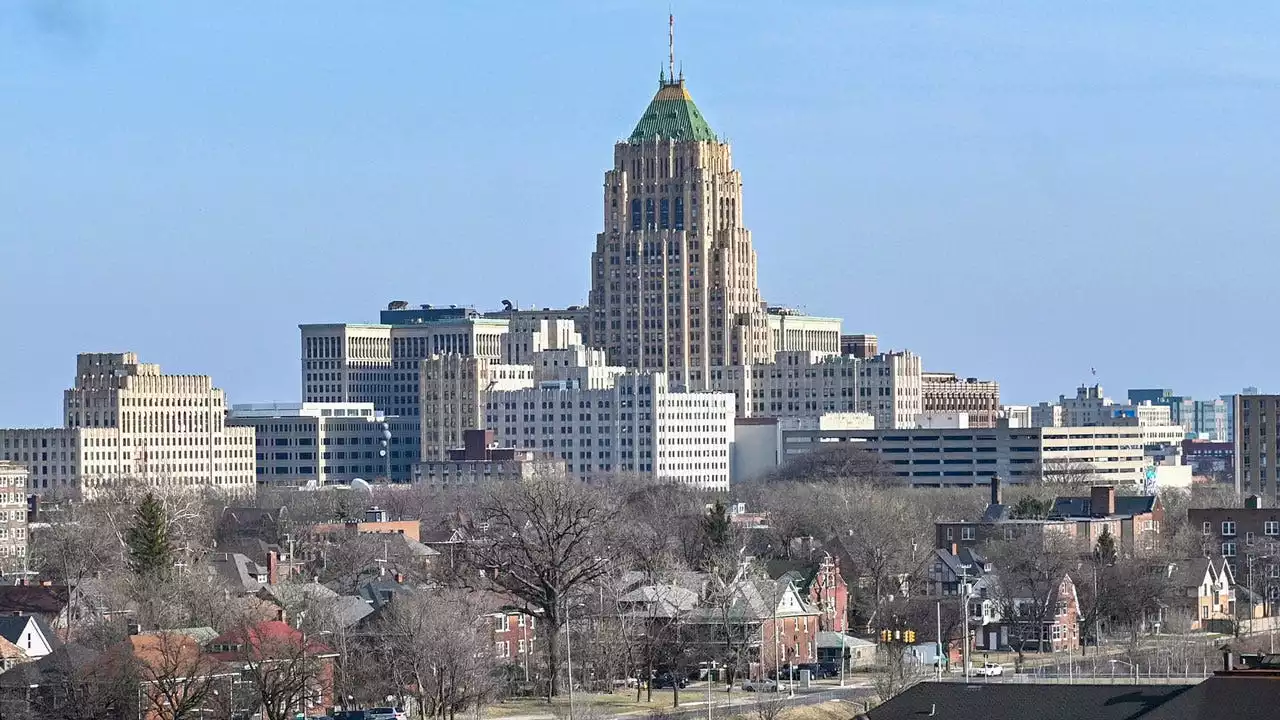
x: 673, y: 275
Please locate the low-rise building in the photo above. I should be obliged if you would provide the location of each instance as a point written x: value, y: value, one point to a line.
x: 483, y: 460
x: 1248, y: 539
x: 964, y: 457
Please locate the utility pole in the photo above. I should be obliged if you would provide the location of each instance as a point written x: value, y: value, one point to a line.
x: 568, y: 641
x: 937, y: 661
x: 964, y: 612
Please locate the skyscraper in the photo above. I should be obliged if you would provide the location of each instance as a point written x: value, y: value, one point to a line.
x: 673, y: 275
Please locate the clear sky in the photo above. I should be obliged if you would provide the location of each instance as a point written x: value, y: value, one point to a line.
x: 1016, y: 191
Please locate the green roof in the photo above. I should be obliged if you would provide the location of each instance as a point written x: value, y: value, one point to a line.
x: 672, y: 115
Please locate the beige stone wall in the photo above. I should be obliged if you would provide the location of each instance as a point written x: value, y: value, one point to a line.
x: 676, y: 290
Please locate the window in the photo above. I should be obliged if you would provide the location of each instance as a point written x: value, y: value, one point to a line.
x: 1208, y: 528
x: 501, y: 650
x: 1228, y: 549
x: 1248, y: 538
x: 635, y: 214
x: 504, y: 623
x: 966, y: 533
x: 950, y: 533
x: 1271, y: 527
x: 1228, y: 528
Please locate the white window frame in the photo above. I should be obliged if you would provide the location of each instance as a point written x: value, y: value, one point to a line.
x: 1229, y: 549
x: 1271, y: 527
x: 1228, y: 528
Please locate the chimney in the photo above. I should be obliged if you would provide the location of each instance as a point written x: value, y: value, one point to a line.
x: 135, y: 629
x: 955, y: 549
x: 273, y: 567
x: 997, y: 497
x: 280, y: 614
x: 1253, y: 502
x: 399, y: 578
x: 1102, y: 500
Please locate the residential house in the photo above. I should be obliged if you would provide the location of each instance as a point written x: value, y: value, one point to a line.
x: 268, y: 525
x: 993, y: 631
x: 276, y: 644
x: 30, y: 633
x: 858, y: 653
x: 170, y: 665
x: 1248, y: 539
x: 11, y: 655
x: 820, y: 582
x: 66, y: 682
x: 1205, y: 595
x: 947, y: 572
x: 514, y: 634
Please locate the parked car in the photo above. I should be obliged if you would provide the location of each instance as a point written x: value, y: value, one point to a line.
x: 667, y: 679
x: 989, y: 670
x: 386, y: 713
x: 760, y: 685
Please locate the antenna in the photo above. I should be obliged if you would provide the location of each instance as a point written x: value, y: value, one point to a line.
x: 671, y: 46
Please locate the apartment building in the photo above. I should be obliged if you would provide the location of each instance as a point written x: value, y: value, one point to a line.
x: 1248, y: 539
x: 637, y: 426
x: 1257, y: 445
x: 319, y: 444
x: 13, y: 520
x: 126, y: 421
x: 947, y: 393
x: 965, y: 457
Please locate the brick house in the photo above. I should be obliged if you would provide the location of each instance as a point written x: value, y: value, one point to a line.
x: 274, y: 646
x: 1248, y: 539
x: 1060, y: 632
x: 821, y: 584
x: 514, y: 634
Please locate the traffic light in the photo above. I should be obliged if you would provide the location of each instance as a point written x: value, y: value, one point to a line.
x: 884, y: 636
x: 911, y: 637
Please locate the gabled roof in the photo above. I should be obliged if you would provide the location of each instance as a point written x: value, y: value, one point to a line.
x: 57, y: 664
x: 1007, y: 701
x: 9, y: 651
x: 291, y: 595
x: 828, y: 639
x: 661, y: 600
x: 673, y: 116
x: 240, y: 571
x: 1191, y: 572
x: 12, y: 627
x: 262, y: 639
x: 1126, y: 506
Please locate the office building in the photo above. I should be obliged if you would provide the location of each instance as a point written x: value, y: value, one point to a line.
x: 673, y: 276
x: 891, y: 387
x: 949, y: 394
x: 482, y: 459
x: 321, y: 444
x: 454, y: 388
x: 796, y: 384
x: 1091, y: 407
x: 126, y: 422
x: 13, y: 520
x: 639, y: 426
x: 1202, y: 419
x: 794, y: 331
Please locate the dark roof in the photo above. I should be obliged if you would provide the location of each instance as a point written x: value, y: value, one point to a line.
x: 12, y: 626
x: 1236, y: 696
x: 996, y: 513
x: 1001, y: 701
x: 47, y: 600
x: 1126, y: 505
x: 58, y: 664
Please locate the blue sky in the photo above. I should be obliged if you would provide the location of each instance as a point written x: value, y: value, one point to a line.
x: 1017, y: 191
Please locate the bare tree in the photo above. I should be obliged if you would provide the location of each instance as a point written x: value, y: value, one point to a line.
x: 434, y: 646
x: 838, y: 463
x: 1029, y: 572
x: 883, y: 536
x: 286, y: 670
x: 1065, y: 472
x: 176, y: 679
x: 540, y: 541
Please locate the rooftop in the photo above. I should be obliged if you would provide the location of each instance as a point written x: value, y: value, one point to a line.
x: 671, y: 115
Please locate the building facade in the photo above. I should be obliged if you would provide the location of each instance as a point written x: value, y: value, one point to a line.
x: 891, y: 387
x: 126, y: 422
x: 861, y: 346
x: 319, y: 444
x: 1257, y: 446
x: 965, y: 457
x: 1202, y: 419
x: 13, y: 520
x: 638, y: 426
x: 947, y: 393
x: 793, y: 330
x: 673, y: 275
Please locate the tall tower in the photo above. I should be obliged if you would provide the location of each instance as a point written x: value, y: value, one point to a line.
x: 673, y: 275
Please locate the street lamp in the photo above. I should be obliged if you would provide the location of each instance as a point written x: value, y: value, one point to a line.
x: 1113, y: 662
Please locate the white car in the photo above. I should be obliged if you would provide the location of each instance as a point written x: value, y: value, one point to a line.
x: 760, y: 685
x: 386, y: 713
x: 989, y: 670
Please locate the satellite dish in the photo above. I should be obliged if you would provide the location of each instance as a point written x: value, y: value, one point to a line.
x: 361, y: 484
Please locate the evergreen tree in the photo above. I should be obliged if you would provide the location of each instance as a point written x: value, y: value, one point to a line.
x: 1105, y: 551
x: 717, y: 527
x: 150, y: 549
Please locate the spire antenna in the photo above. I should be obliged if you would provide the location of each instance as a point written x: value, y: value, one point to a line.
x: 671, y: 46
